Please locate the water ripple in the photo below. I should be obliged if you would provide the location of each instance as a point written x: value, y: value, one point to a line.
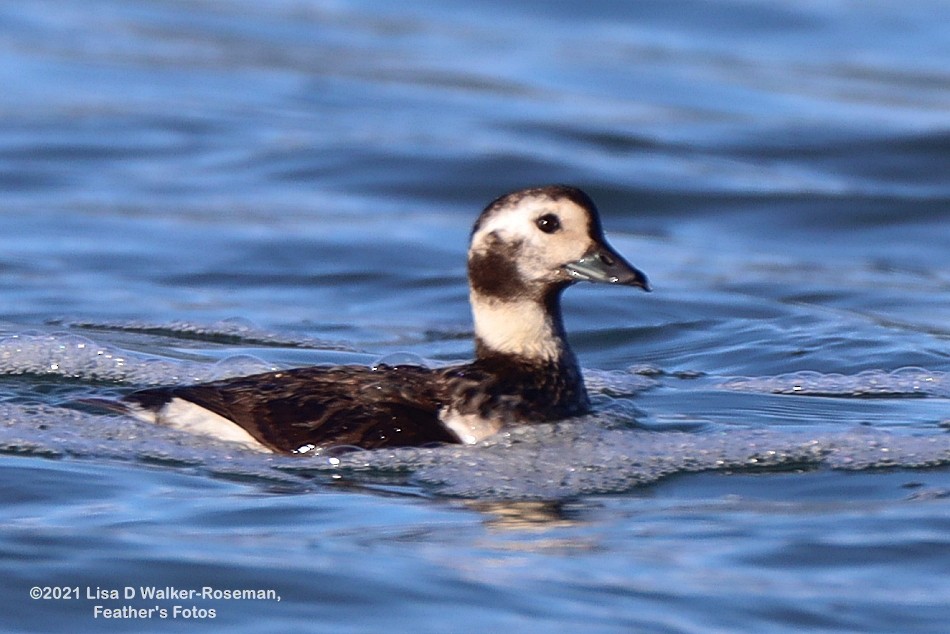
x: 901, y: 383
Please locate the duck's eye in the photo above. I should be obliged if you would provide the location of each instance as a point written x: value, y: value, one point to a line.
x: 548, y: 223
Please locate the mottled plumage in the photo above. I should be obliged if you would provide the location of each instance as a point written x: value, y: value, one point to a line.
x: 526, y: 248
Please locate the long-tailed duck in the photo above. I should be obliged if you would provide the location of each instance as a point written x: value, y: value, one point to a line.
x: 526, y: 248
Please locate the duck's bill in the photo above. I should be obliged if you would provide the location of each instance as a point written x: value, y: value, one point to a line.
x: 605, y: 266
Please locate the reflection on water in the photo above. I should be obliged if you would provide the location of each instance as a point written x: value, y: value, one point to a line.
x: 527, y: 515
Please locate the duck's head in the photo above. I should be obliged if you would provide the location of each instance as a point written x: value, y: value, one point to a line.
x: 526, y: 247
x: 530, y: 241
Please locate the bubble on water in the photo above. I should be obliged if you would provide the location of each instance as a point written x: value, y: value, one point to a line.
x: 75, y: 357
x: 241, y: 365
x: 401, y: 358
x: 904, y: 382
x: 617, y: 383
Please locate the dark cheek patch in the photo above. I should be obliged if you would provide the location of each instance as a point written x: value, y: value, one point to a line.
x: 494, y: 272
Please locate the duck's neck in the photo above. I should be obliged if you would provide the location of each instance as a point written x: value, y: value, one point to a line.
x: 522, y: 343
x: 527, y: 329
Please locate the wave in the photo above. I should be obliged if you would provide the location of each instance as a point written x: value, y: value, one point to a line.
x: 73, y: 356
x: 228, y: 331
x: 597, y: 454
x: 901, y: 383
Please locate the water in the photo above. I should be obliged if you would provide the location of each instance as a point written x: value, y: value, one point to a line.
x: 207, y: 189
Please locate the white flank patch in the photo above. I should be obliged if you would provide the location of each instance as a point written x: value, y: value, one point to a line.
x: 521, y: 328
x: 187, y: 416
x: 469, y: 428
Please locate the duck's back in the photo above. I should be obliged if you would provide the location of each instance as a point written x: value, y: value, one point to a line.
x: 296, y: 410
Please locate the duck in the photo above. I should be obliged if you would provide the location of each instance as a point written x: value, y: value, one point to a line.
x: 526, y: 248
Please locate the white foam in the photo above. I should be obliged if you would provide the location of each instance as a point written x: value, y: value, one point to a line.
x: 556, y: 461
x: 73, y: 356
x: 904, y: 382
x: 572, y: 459
x: 617, y: 382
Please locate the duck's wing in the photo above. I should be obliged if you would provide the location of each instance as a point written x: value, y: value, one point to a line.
x: 300, y: 409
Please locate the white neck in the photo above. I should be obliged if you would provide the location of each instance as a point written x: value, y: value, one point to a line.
x: 521, y: 327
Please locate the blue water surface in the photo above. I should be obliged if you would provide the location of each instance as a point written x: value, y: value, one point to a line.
x: 194, y: 190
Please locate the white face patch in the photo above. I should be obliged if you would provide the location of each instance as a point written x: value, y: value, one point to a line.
x: 542, y: 255
x: 187, y: 416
